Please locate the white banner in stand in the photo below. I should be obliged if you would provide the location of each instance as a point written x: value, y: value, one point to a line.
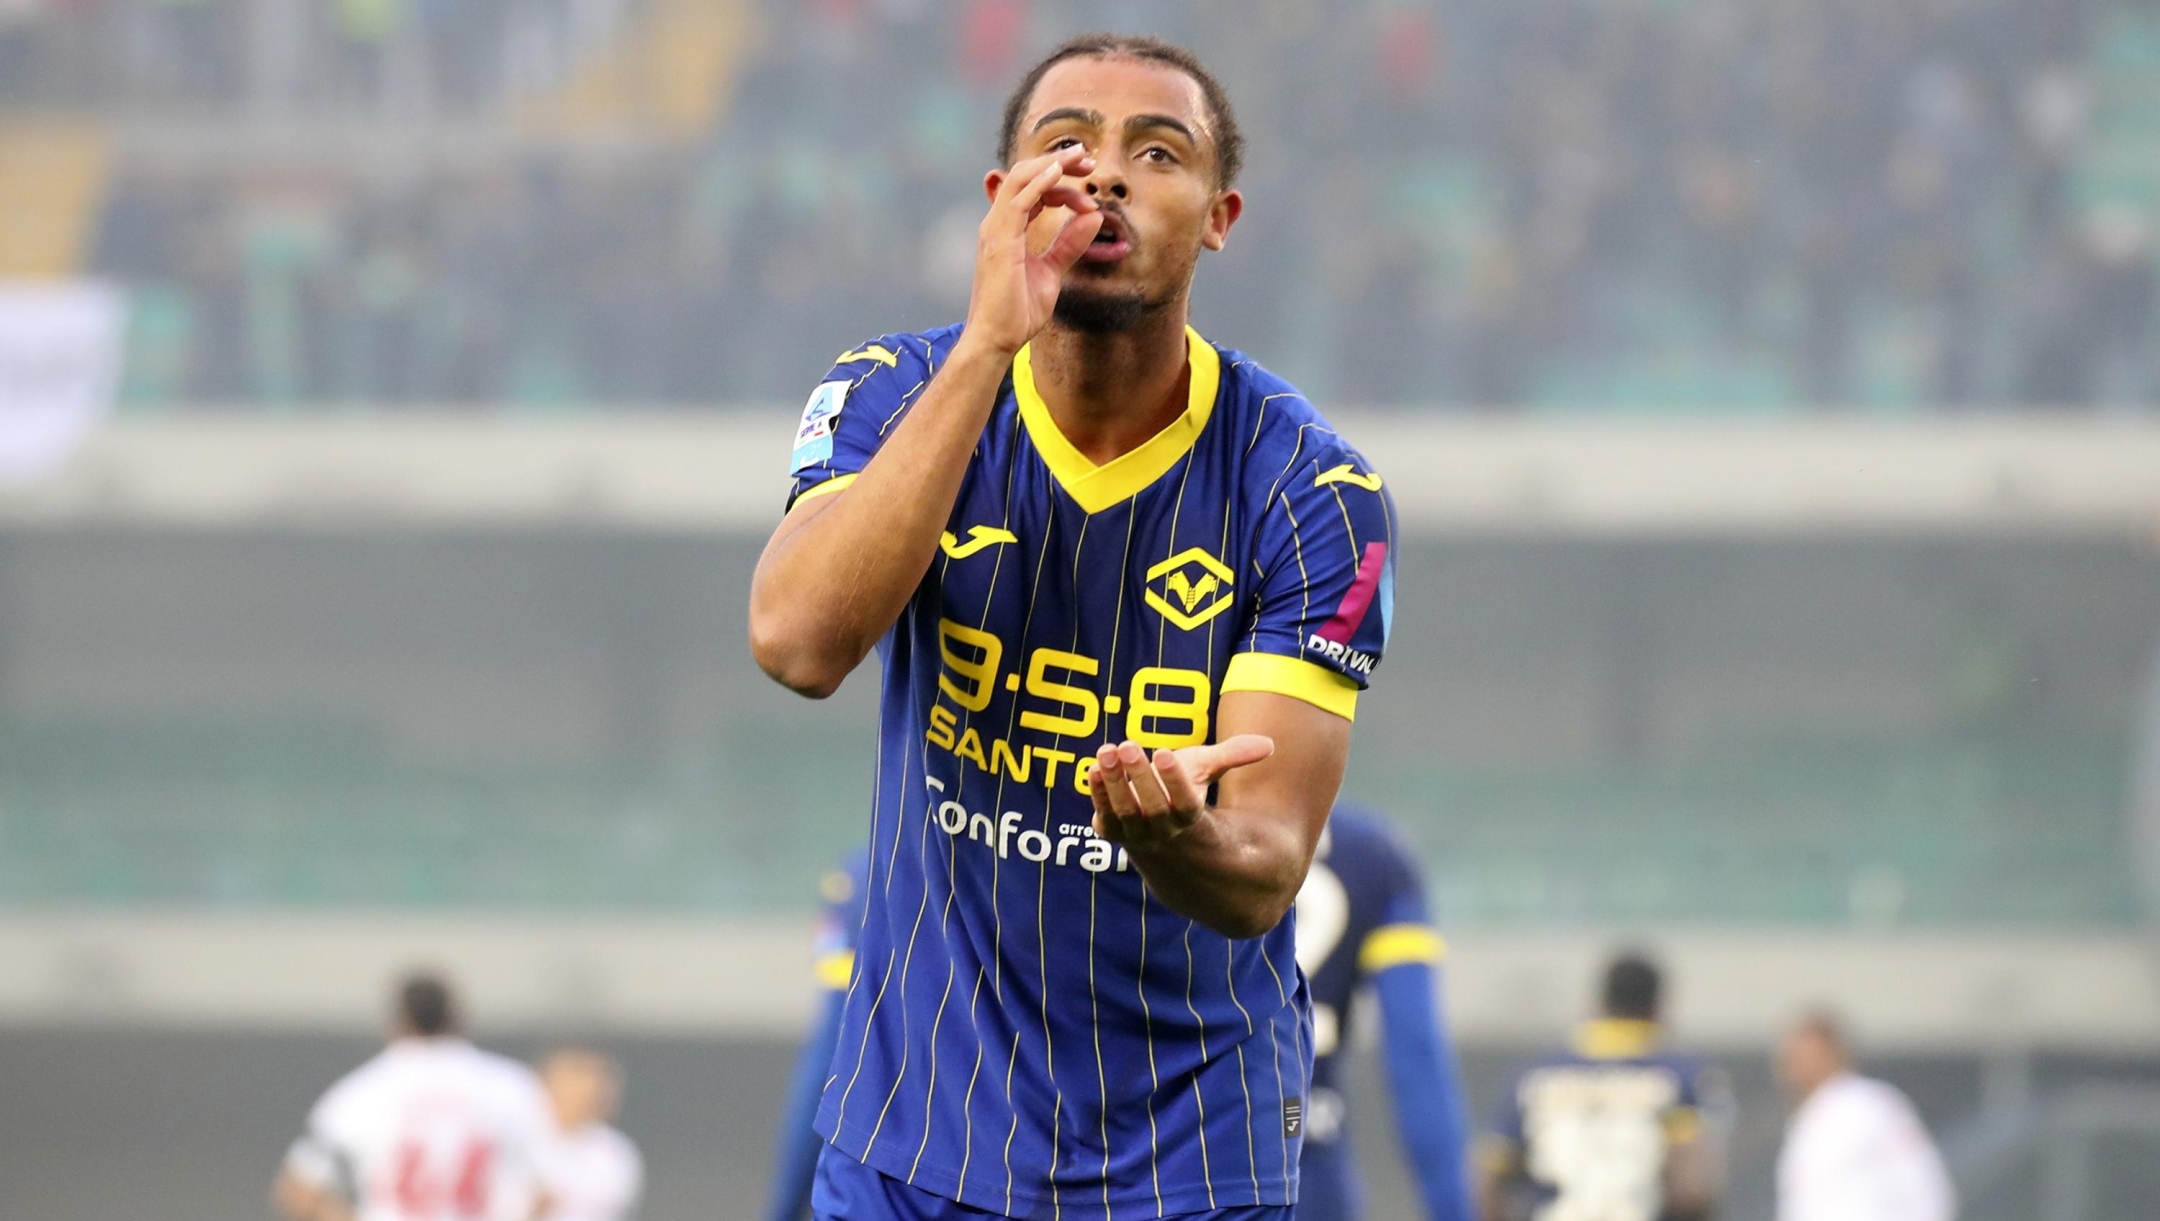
x: 60, y: 354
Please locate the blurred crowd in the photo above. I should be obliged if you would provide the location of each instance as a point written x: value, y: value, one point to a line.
x: 342, y: 57
x: 1481, y: 204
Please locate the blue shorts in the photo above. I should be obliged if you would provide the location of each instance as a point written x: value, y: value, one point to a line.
x: 847, y: 1190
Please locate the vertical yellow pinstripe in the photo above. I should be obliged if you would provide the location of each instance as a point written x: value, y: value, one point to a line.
x: 922, y: 908
x: 862, y: 1052
x: 1042, y: 963
x: 877, y: 782
x: 1275, y: 1054
x: 952, y: 861
x: 967, y: 1100
x: 1102, y: 1087
x: 1162, y: 645
x: 1297, y: 449
x: 1207, y: 1170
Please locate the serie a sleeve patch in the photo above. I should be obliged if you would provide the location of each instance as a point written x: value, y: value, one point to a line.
x: 814, y: 436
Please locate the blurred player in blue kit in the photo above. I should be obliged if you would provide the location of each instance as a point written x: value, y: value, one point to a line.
x: 839, y: 923
x: 1125, y: 587
x: 1362, y: 921
x: 1615, y: 1127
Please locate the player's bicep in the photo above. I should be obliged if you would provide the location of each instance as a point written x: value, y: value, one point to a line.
x: 1299, y: 781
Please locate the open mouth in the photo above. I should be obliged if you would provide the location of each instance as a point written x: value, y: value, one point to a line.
x: 1112, y: 243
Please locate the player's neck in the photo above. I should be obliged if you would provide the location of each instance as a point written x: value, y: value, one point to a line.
x: 1110, y: 393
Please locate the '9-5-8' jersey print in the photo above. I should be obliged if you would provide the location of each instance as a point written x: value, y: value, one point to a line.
x: 1028, y: 1031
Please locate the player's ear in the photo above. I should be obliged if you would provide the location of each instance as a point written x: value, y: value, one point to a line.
x: 991, y: 182
x: 1227, y: 208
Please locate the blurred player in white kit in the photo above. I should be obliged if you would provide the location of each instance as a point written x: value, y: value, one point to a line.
x: 592, y: 1172
x: 1855, y: 1149
x: 431, y: 1129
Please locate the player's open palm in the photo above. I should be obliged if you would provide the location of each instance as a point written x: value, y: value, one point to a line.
x: 1016, y: 289
x: 1141, y: 799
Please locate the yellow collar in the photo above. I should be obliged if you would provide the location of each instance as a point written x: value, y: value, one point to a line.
x: 1616, y: 1039
x: 1095, y: 488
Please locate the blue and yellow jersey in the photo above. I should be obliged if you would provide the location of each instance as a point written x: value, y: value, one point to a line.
x: 1364, y: 927
x: 1361, y: 911
x: 1590, y: 1128
x: 1028, y: 1031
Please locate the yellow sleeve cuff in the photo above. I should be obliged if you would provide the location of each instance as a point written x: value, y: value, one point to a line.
x: 1295, y: 677
x: 1395, y: 944
x: 827, y: 488
x: 835, y: 969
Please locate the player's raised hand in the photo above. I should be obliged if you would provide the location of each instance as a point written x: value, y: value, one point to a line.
x: 1015, y: 288
x: 1139, y: 800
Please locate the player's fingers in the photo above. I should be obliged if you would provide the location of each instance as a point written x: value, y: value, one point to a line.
x: 1147, y: 787
x: 1107, y: 823
x: 1073, y: 240
x: 1111, y: 781
x: 1028, y: 169
x: 1066, y: 195
x: 1029, y: 198
x: 1178, y: 785
x: 1206, y: 763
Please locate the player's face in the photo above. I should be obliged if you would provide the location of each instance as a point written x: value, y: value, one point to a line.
x: 1804, y: 1061
x: 1147, y: 127
x: 584, y: 1088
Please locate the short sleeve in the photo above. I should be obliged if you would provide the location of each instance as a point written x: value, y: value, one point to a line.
x: 1326, y: 555
x: 851, y: 412
x: 321, y: 1156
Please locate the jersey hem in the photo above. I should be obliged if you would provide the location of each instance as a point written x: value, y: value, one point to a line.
x: 945, y: 1181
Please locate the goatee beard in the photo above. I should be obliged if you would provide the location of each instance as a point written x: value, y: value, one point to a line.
x: 1099, y: 313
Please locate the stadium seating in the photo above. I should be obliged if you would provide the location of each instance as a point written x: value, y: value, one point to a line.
x: 677, y: 209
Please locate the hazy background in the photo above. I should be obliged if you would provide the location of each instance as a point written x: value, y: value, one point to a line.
x: 394, y: 395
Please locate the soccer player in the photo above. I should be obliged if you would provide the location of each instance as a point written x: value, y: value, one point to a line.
x: 1612, y: 1128
x: 844, y: 891
x: 1126, y: 587
x: 591, y: 1171
x: 1855, y: 1149
x: 1362, y: 920
x: 431, y: 1129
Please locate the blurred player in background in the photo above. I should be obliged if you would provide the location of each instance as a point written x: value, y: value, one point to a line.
x: 1613, y: 1128
x: 1855, y: 1149
x: 838, y: 926
x: 1362, y: 919
x: 592, y: 1172
x: 1127, y: 587
x: 431, y: 1129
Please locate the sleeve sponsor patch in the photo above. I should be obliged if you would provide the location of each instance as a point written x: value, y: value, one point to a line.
x: 814, y: 436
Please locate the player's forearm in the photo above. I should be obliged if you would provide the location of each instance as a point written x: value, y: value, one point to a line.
x: 1236, y: 874
x: 830, y: 585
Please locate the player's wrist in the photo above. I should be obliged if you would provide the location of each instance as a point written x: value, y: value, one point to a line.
x: 987, y: 344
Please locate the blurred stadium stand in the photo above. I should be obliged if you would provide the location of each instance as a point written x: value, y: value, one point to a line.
x: 1704, y: 207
